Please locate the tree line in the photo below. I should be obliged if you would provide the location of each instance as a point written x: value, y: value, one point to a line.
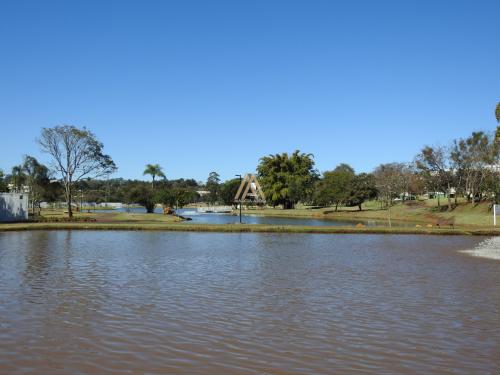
x: 467, y: 167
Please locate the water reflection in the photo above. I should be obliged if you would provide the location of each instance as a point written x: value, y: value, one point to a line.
x: 111, y: 302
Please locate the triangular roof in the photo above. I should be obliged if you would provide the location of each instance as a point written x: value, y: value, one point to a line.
x: 250, y: 190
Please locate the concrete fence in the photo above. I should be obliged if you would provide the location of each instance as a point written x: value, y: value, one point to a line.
x: 13, y: 207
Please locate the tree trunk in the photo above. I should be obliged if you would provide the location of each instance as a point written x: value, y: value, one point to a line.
x: 389, y: 216
x: 359, y: 206
x: 449, y: 199
x: 336, y: 207
x: 68, y: 201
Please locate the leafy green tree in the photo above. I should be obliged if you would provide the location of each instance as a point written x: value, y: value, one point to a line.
x: 213, y: 185
x: 3, y: 183
x: 335, y: 187
x: 287, y: 179
x: 17, y: 178
x: 142, y: 195
x: 184, y: 196
x: 362, y: 188
x: 228, y: 190
x: 37, y: 179
x: 166, y: 197
x: 177, y: 197
x: 154, y: 170
x: 76, y: 154
x: 497, y: 112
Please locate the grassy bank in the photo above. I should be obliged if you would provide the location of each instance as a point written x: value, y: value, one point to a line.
x: 244, y: 228
x: 418, y: 212
x: 463, y: 220
x: 112, y: 217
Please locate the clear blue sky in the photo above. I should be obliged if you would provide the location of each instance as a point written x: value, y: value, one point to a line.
x: 198, y: 86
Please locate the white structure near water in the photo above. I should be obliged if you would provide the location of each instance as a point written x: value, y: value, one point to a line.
x: 214, y: 209
x: 13, y: 207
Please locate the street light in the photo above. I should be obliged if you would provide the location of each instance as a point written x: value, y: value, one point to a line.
x: 241, y: 178
x: 81, y: 199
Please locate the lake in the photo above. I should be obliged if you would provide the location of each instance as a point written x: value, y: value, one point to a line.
x: 214, y: 218
x: 208, y: 303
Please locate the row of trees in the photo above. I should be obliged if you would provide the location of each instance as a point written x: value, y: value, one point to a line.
x: 37, y: 179
x: 467, y: 167
x: 289, y: 179
x: 179, y: 193
x: 33, y: 176
x: 343, y: 186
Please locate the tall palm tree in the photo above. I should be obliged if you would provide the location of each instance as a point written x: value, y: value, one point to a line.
x: 155, y: 171
x: 497, y: 133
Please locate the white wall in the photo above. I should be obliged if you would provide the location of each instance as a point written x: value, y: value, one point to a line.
x: 13, y: 207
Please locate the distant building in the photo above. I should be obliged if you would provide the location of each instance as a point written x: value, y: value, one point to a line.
x: 13, y: 207
x: 13, y: 189
x: 111, y: 204
x: 434, y: 194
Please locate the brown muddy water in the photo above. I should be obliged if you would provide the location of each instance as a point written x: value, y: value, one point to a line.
x: 206, y: 303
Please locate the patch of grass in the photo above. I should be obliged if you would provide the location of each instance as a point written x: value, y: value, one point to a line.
x: 143, y: 218
x: 247, y: 228
x: 98, y: 208
x: 418, y: 212
x: 109, y: 217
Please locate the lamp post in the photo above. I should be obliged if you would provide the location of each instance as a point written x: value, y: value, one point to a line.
x: 241, y: 178
x: 81, y: 199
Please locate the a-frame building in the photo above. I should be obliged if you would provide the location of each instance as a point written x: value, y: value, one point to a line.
x: 250, y: 191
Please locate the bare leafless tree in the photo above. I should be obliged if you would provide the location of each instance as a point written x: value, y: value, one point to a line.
x: 474, y: 158
x: 435, y: 164
x: 391, y: 180
x: 76, y: 153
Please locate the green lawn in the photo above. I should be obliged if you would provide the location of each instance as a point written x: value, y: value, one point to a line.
x: 112, y: 217
x: 245, y: 228
x: 418, y: 212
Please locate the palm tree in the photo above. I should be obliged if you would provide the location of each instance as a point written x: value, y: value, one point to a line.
x: 497, y: 133
x: 154, y: 170
x: 287, y: 178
